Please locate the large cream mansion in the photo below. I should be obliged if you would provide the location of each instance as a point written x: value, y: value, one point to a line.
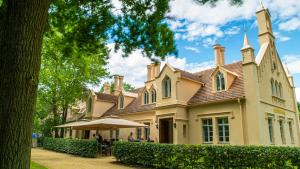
x: 251, y: 102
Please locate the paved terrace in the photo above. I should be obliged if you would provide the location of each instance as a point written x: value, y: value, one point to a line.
x: 54, y: 160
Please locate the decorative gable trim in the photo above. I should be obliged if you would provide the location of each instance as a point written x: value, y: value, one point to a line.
x: 166, y: 65
x: 261, y: 53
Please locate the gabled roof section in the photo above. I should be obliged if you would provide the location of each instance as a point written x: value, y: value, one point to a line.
x: 166, y: 65
x: 261, y: 53
x: 206, y: 95
x: 135, y: 106
x: 189, y: 76
x: 106, y: 97
x: 224, y: 69
x: 129, y: 94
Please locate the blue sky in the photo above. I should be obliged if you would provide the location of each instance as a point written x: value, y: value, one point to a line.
x: 198, y: 28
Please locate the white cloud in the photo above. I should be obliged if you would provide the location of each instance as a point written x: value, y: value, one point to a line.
x: 134, y: 67
x: 297, y: 91
x: 233, y: 30
x: 197, y: 21
x: 181, y: 63
x: 290, y: 25
x: 193, y: 49
x: 293, y: 62
x: 281, y: 37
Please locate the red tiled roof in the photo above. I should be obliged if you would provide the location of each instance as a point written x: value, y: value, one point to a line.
x: 189, y: 75
x: 106, y: 97
x: 206, y: 94
x: 135, y: 106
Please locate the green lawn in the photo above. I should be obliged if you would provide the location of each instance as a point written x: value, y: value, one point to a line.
x: 34, y: 165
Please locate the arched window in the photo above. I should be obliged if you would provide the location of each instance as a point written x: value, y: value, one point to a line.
x: 280, y: 89
x: 166, y: 87
x: 272, y: 87
x: 276, y: 88
x: 90, y: 105
x: 121, y: 101
x: 153, y: 96
x: 146, y: 97
x: 220, y: 81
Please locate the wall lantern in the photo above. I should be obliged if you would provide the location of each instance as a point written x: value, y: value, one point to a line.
x: 174, y: 125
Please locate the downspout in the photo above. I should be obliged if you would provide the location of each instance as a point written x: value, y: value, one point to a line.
x: 245, y: 141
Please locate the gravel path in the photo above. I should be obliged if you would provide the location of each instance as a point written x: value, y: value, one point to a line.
x: 54, y: 160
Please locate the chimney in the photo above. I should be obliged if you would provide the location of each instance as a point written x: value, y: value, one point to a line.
x: 121, y: 78
x: 118, y: 84
x: 149, y: 72
x: 106, y: 87
x: 153, y: 70
x: 219, y: 54
x: 156, y: 69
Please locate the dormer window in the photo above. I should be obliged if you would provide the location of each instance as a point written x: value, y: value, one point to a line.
x: 146, y: 97
x: 153, y: 96
x: 220, y: 81
x: 121, y: 102
x: 166, y: 85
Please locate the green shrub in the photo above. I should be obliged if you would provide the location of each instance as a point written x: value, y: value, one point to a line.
x: 203, y: 156
x: 84, y: 148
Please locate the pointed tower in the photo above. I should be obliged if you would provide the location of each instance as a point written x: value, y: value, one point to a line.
x: 247, y: 51
x: 265, y: 32
x: 252, y: 96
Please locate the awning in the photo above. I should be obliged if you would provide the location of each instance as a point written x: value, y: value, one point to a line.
x: 72, y: 124
x: 107, y: 123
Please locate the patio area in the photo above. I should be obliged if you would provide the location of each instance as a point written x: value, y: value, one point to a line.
x: 54, y: 160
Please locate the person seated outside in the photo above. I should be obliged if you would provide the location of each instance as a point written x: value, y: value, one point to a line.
x: 130, y: 137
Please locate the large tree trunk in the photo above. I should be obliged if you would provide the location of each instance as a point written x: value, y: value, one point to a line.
x: 22, y: 23
x: 63, y: 119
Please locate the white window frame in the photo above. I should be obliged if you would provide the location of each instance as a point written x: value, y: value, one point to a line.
x: 220, y: 82
x: 281, y: 129
x: 223, y: 125
x: 207, y: 129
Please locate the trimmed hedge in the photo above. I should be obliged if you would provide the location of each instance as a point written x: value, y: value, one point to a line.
x: 84, y: 148
x: 203, y: 156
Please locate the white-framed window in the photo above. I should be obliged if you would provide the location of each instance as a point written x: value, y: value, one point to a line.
x: 147, y: 131
x: 223, y: 129
x: 153, y: 96
x: 139, y: 133
x: 207, y: 130
x: 121, y: 102
x: 166, y: 87
x: 220, y: 81
x: 290, y: 123
x: 146, y: 97
x: 270, y: 129
x: 282, y: 134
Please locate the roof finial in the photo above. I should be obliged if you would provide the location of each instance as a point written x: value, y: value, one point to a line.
x: 246, y: 41
x: 262, y: 4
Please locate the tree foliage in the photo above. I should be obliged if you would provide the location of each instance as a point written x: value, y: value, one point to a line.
x: 126, y: 86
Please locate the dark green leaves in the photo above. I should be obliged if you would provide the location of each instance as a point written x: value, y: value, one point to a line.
x: 142, y: 26
x: 201, y: 156
x: 84, y: 148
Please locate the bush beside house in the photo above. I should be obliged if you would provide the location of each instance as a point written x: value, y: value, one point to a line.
x: 202, y: 156
x: 84, y: 148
